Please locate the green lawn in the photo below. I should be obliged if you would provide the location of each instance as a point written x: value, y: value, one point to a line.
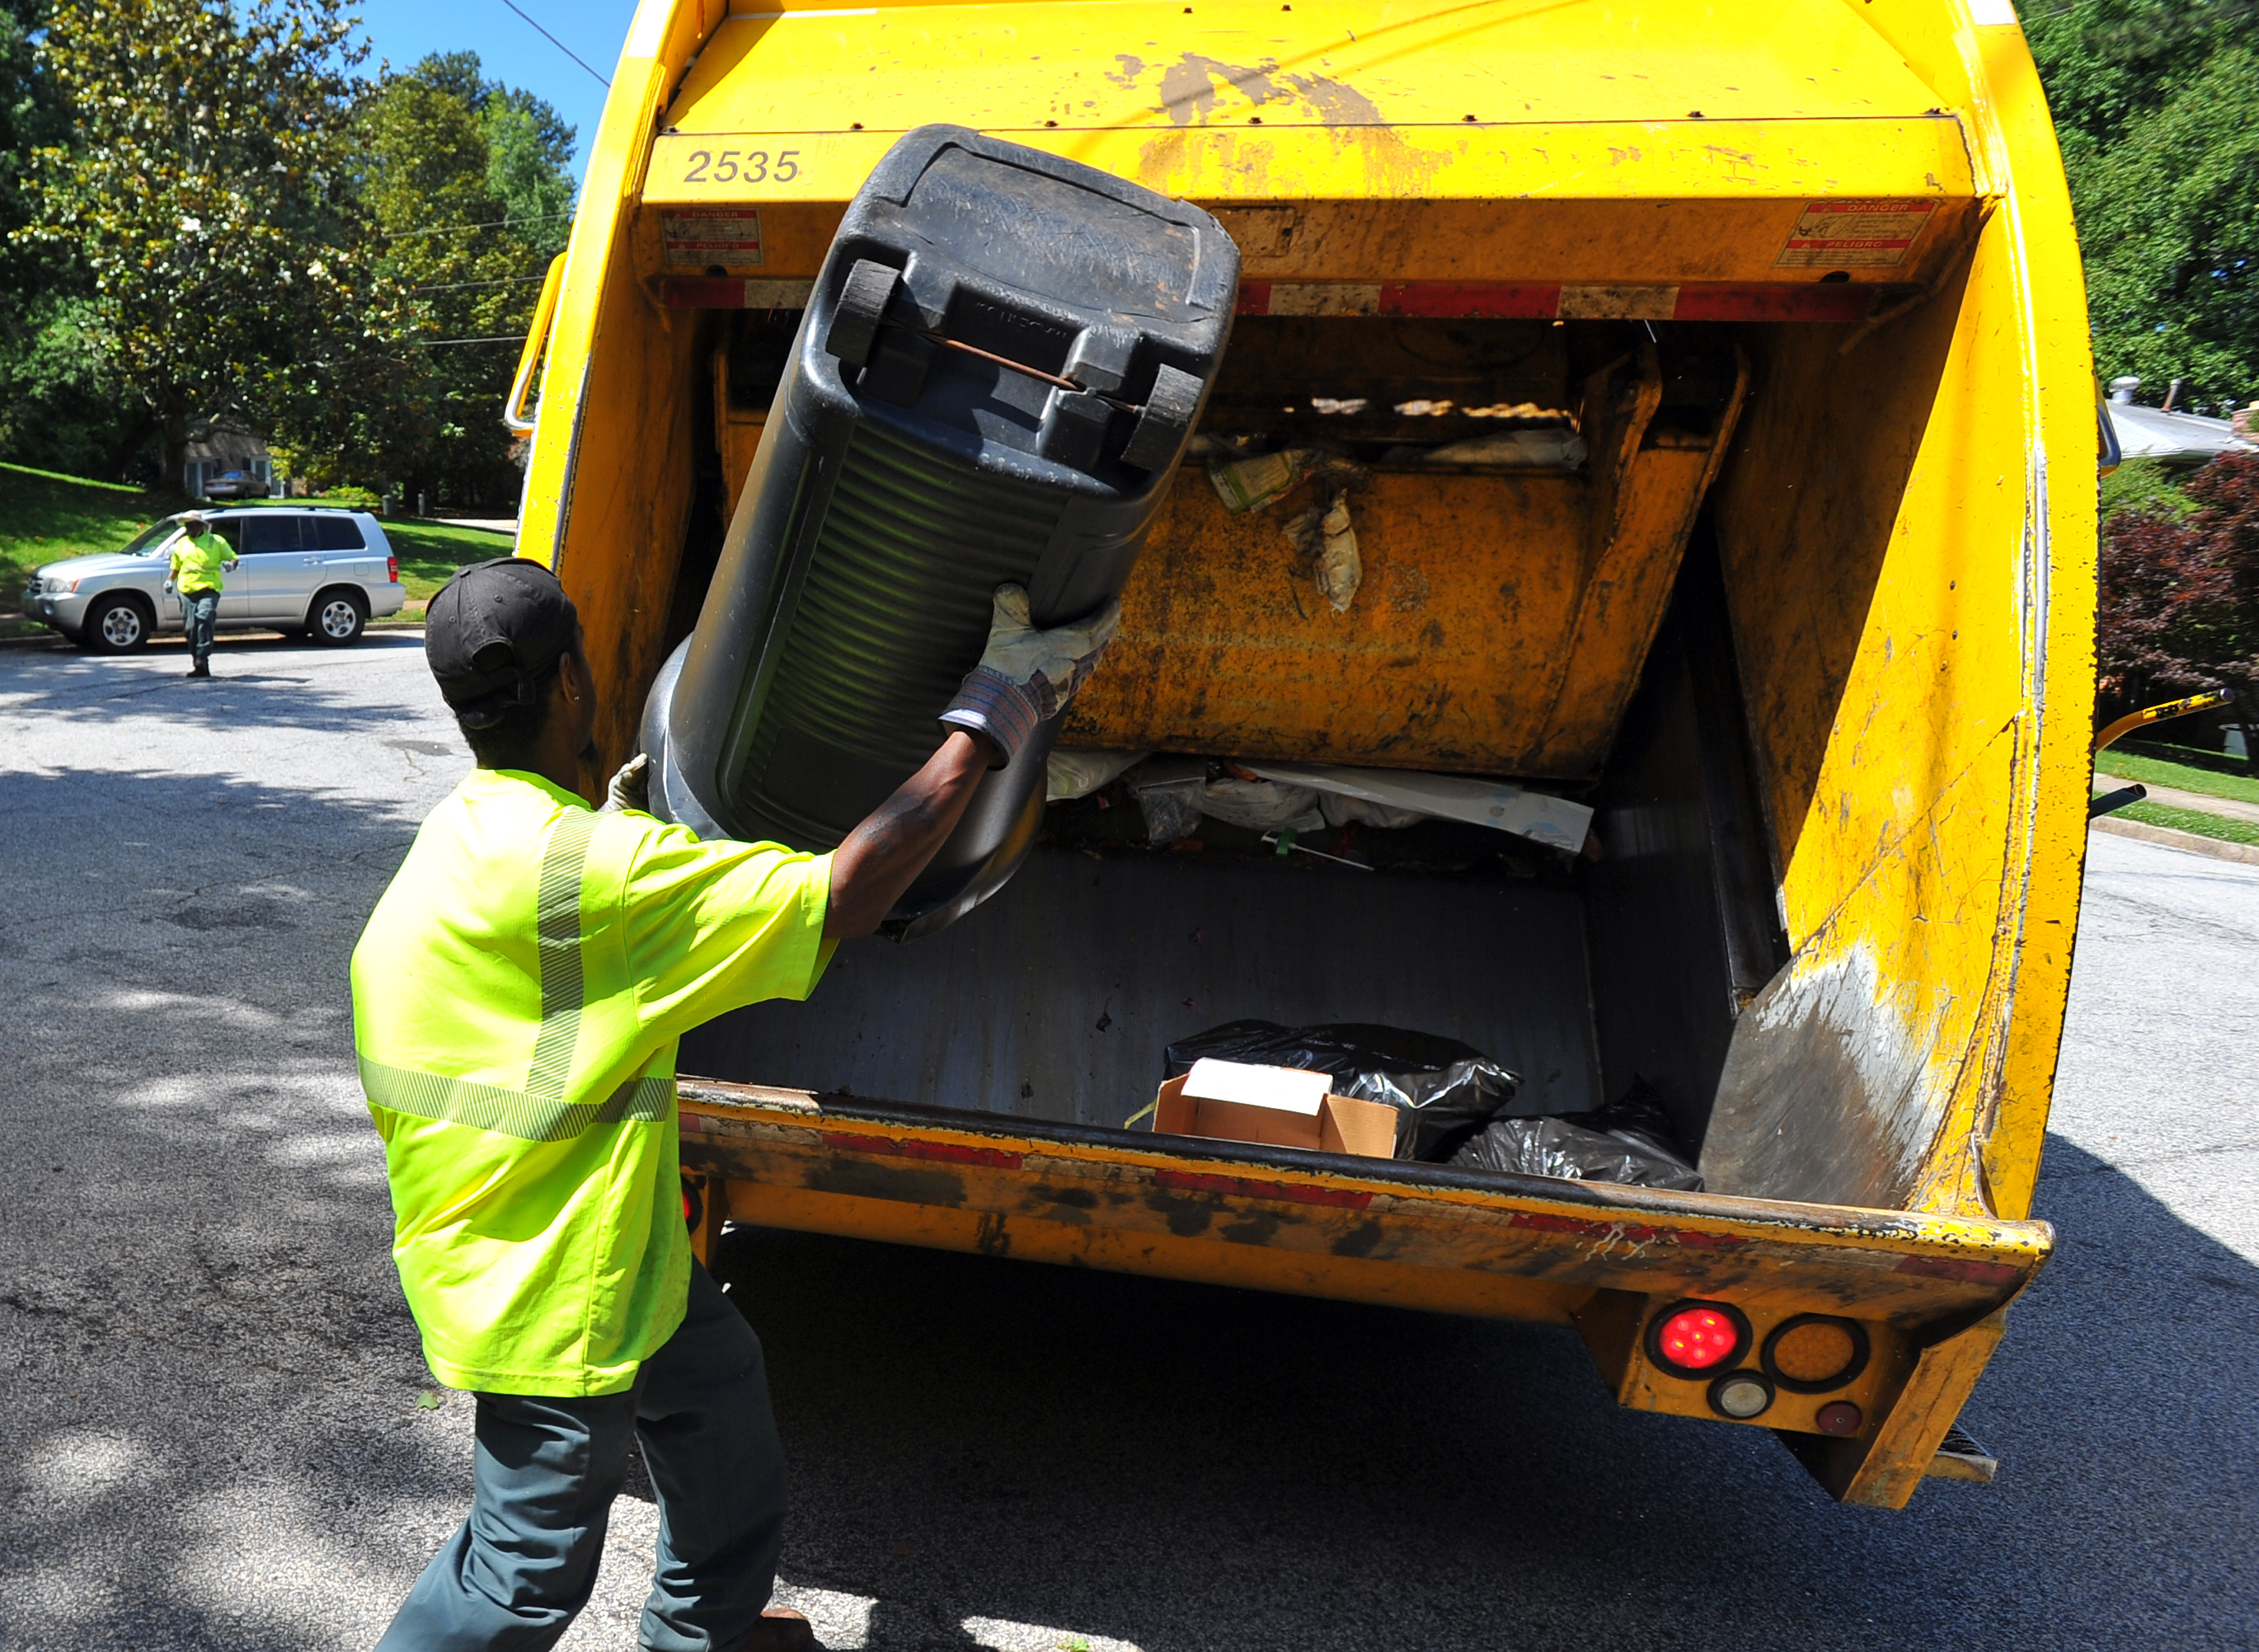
x: 2190, y: 820
x: 45, y: 518
x: 430, y: 552
x: 2126, y: 765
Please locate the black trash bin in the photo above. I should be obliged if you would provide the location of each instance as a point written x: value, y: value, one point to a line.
x: 995, y: 376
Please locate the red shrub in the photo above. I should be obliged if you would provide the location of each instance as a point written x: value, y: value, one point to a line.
x: 2179, y: 609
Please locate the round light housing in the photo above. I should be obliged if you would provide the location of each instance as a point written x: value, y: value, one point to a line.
x: 1840, y: 1418
x: 1741, y: 1395
x: 1698, y: 1339
x: 1812, y: 1353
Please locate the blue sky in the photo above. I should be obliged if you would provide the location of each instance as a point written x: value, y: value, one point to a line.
x: 508, y: 48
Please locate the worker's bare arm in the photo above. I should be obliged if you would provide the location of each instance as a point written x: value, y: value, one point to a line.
x: 883, y: 855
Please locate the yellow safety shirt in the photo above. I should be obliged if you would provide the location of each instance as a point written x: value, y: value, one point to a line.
x: 196, y: 562
x: 517, y: 998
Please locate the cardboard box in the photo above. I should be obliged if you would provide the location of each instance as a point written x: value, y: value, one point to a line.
x: 1277, y: 1107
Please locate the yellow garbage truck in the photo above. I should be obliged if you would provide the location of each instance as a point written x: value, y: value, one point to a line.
x: 1716, y: 387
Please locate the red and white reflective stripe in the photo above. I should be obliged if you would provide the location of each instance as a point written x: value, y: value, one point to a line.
x: 728, y: 292
x: 1707, y: 301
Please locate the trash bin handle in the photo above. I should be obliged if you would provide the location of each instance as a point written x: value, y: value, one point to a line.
x: 2171, y: 709
x: 536, y: 339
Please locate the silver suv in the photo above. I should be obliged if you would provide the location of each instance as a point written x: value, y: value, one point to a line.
x: 324, y: 572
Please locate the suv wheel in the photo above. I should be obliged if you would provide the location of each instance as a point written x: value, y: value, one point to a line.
x: 117, y: 625
x: 337, y: 617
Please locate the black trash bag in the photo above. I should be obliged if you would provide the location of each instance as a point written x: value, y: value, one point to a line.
x: 1629, y: 1141
x: 1444, y: 1091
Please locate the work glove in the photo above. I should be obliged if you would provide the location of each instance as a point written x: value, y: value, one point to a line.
x: 1027, y: 675
x: 630, y: 787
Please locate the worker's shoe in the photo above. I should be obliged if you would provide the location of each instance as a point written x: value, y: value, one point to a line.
x: 780, y: 1629
x: 200, y: 669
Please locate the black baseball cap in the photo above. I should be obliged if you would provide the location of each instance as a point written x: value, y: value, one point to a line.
x: 493, y: 633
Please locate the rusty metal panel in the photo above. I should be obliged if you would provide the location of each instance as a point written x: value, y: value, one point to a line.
x: 1500, y: 627
x: 1055, y: 999
x: 1363, y: 1230
x: 1469, y: 593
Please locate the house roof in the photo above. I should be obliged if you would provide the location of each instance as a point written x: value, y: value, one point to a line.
x: 226, y: 444
x: 2150, y: 432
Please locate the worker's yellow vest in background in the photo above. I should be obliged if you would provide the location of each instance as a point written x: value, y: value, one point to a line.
x: 199, y: 561
x: 517, y: 998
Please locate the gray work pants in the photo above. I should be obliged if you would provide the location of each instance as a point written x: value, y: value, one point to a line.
x: 199, y: 612
x: 519, y: 1568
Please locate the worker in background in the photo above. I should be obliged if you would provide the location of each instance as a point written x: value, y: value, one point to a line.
x: 517, y: 998
x: 199, y: 555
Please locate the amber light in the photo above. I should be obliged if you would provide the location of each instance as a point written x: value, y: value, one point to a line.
x: 1692, y: 1338
x: 1812, y: 1353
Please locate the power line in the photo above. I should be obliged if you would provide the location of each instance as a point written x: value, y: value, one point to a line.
x: 559, y: 44
x: 495, y: 224
x: 458, y: 286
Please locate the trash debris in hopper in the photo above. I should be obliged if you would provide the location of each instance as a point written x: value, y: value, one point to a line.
x: 1285, y: 841
x: 1324, y: 538
x: 1546, y: 447
x: 1170, y: 792
x: 1262, y: 806
x: 1359, y: 811
x: 1277, y: 1107
x: 1520, y: 411
x: 1072, y: 772
x: 1444, y: 1091
x: 1628, y: 1142
x: 1555, y: 822
x: 1173, y: 791
x: 1339, y: 571
x: 1250, y: 484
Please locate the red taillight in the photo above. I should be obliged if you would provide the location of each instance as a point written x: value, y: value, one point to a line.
x: 392, y: 570
x: 1700, y: 1338
x: 1690, y: 1339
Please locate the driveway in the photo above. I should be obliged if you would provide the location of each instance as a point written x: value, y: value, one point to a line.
x: 220, y: 1435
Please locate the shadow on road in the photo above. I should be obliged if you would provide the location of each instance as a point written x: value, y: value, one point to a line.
x: 213, y: 1438
x: 1185, y: 1467
x: 257, y: 682
x: 211, y: 1434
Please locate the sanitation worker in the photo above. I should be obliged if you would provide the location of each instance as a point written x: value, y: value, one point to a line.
x: 198, y: 556
x: 517, y: 998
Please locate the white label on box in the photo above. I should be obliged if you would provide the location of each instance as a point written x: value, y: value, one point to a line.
x: 1287, y: 1089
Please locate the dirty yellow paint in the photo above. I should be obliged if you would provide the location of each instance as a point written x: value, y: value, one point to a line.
x: 1904, y: 514
x: 1499, y: 628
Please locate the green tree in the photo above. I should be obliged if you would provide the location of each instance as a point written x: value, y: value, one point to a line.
x: 206, y: 190
x: 468, y: 188
x: 2156, y: 103
x: 58, y: 401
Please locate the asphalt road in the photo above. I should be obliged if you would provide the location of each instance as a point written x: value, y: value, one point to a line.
x: 214, y: 1434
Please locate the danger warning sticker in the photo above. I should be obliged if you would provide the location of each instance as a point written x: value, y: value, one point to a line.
x: 1854, y: 234
x: 699, y: 238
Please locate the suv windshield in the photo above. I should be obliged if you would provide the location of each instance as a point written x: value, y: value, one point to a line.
x: 151, y: 539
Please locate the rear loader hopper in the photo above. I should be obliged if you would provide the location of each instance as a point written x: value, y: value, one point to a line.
x: 1713, y: 389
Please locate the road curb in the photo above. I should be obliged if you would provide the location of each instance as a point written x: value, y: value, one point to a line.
x: 2195, y: 842
x: 56, y: 640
